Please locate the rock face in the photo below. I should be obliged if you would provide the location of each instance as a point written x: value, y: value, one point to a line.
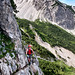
x: 47, y: 10
x: 9, y: 26
x: 73, y: 8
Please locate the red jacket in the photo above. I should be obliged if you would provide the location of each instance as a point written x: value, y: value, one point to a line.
x: 29, y: 51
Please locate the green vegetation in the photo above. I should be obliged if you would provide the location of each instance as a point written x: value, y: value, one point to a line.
x: 36, y: 73
x: 28, y: 37
x: 55, y: 68
x: 13, y: 5
x: 30, y: 72
x: 6, y: 46
x: 55, y: 36
x: 50, y: 33
x: 70, y: 7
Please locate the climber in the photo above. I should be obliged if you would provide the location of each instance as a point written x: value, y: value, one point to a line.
x: 29, y: 53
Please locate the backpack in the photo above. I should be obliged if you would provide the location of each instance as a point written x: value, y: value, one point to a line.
x: 29, y: 51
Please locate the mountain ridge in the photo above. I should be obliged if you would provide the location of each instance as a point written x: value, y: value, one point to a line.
x: 47, y: 10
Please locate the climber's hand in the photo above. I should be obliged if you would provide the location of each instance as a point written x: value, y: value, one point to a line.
x: 33, y: 55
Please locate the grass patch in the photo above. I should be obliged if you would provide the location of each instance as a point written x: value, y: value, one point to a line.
x: 55, y: 68
x: 6, y: 45
x: 13, y: 6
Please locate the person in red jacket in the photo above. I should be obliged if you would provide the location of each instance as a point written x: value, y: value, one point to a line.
x: 29, y: 53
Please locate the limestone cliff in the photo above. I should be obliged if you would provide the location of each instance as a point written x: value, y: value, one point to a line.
x: 47, y: 10
x: 10, y: 65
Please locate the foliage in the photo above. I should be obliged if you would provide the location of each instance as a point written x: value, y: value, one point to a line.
x: 6, y: 45
x: 36, y: 73
x: 28, y: 37
x: 55, y: 68
x: 13, y: 5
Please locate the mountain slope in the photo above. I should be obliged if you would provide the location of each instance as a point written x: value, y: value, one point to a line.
x: 47, y: 10
x: 49, y: 64
x: 56, y: 43
x: 56, y: 68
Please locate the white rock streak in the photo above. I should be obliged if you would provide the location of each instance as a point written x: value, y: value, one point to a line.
x: 27, y: 10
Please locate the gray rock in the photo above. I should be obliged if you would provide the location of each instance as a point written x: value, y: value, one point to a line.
x: 3, y: 44
x: 9, y: 26
x: 14, y: 67
x: 7, y: 55
x: 13, y: 55
x: 0, y: 46
x: 73, y: 8
x: 34, y: 68
x: 46, y: 10
x: 4, y: 51
x: 0, y: 53
x: 4, y: 69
